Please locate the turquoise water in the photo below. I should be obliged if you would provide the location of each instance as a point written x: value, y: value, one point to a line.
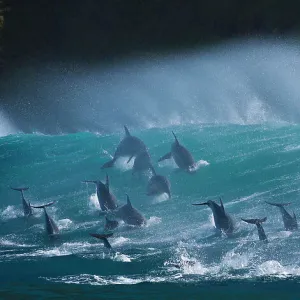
x: 246, y: 165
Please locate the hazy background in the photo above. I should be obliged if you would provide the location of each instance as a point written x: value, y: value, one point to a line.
x: 94, y: 65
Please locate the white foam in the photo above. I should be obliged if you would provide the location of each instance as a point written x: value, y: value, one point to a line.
x: 94, y: 203
x: 64, y: 224
x: 11, y: 212
x: 119, y: 241
x: 121, y: 257
x: 153, y: 221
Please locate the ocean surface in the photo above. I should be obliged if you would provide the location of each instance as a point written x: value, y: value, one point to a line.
x: 176, y: 254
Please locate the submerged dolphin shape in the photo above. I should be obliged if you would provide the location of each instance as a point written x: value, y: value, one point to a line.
x: 110, y: 224
x: 158, y: 184
x: 104, y: 237
x: 290, y: 222
x: 26, y: 204
x: 129, y: 146
x: 181, y: 156
x: 142, y: 162
x: 223, y: 221
x: 130, y: 215
x: 51, y: 227
x: 260, y: 229
x: 107, y: 200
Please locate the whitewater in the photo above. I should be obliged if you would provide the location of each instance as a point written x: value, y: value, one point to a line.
x: 249, y: 160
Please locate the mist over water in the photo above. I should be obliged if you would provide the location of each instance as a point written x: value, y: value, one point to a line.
x: 240, y: 82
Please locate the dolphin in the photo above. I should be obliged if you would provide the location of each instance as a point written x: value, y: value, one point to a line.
x: 26, y: 204
x: 51, y: 227
x: 223, y: 221
x: 129, y: 146
x: 110, y: 224
x: 107, y: 200
x: 158, y: 184
x: 290, y: 222
x: 104, y: 237
x: 130, y: 215
x: 181, y: 155
x: 142, y: 162
x: 260, y: 229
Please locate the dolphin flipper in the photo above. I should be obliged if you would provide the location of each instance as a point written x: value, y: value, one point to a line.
x: 254, y: 221
x: 166, y: 156
x: 43, y: 206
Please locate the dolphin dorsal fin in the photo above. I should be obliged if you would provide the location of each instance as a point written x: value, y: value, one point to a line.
x: 221, y: 202
x: 127, y: 133
x: 175, y: 138
x: 128, y: 201
x: 107, y: 182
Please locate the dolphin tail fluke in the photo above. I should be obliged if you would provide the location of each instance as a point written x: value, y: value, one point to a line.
x: 254, y: 221
x: 166, y: 156
x: 103, y: 237
x: 278, y: 204
x: 21, y: 189
x: 204, y: 203
x: 108, y: 164
x: 127, y: 133
x: 44, y: 205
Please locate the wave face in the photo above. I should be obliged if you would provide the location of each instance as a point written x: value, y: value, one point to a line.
x: 245, y: 82
x: 246, y: 165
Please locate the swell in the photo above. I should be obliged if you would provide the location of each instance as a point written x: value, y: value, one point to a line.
x: 246, y: 165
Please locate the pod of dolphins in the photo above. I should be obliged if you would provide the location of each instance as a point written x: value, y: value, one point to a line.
x: 132, y: 147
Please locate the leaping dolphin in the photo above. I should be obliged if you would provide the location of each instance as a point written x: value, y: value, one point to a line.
x: 223, y: 221
x: 51, y: 227
x: 181, y: 156
x: 107, y: 200
x: 142, y: 162
x: 130, y: 215
x: 26, y: 204
x: 104, y: 237
x: 129, y: 146
x: 290, y: 222
x: 158, y: 184
x: 260, y: 229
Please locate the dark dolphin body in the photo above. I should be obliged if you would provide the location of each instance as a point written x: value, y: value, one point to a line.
x: 110, y: 224
x: 181, y: 155
x: 130, y: 215
x: 51, y: 227
x: 104, y: 237
x: 290, y: 222
x: 26, y: 204
x: 223, y: 221
x: 129, y: 146
x: 260, y: 229
x: 142, y: 162
x: 158, y: 184
x: 107, y: 200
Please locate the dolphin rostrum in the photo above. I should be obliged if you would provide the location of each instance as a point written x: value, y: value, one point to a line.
x: 51, y: 227
x: 129, y: 214
x: 129, y: 146
x: 158, y: 184
x: 181, y: 156
x: 223, y: 221
x: 104, y: 237
x: 260, y: 229
x: 107, y: 200
x: 26, y: 204
x: 290, y: 222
